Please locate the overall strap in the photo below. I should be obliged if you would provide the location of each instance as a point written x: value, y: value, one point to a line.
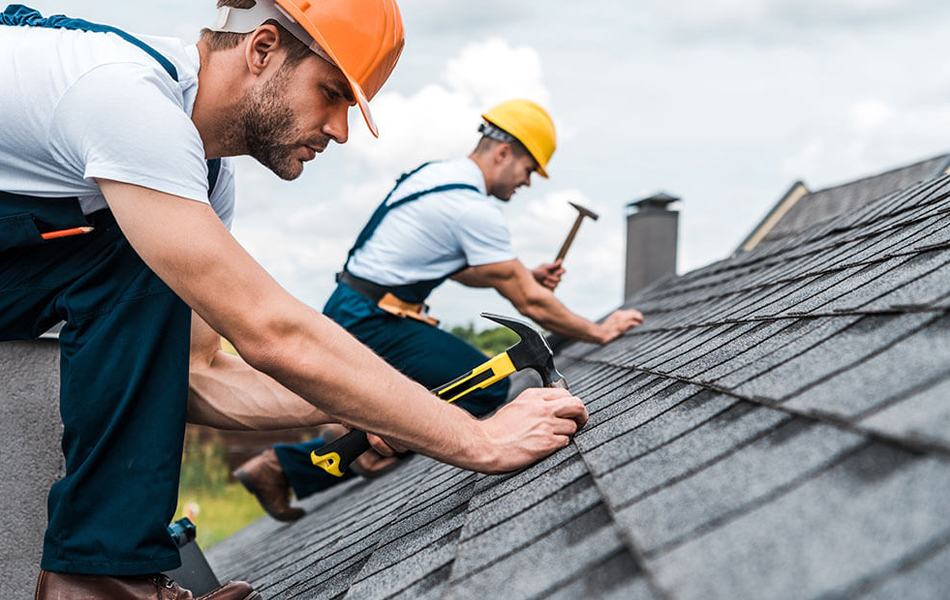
x: 214, y: 170
x: 17, y: 15
x: 383, y: 209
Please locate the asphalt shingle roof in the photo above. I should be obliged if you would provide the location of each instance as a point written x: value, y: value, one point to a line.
x: 779, y: 428
x: 819, y: 206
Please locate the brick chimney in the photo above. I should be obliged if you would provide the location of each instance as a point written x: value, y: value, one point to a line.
x: 651, y: 241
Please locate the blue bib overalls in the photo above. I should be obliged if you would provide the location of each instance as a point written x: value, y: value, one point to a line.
x: 123, y: 370
x: 422, y: 352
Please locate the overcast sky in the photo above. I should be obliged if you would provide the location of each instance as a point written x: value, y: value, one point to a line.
x: 724, y: 103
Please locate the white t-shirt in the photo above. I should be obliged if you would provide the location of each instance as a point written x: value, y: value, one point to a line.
x: 436, y: 234
x: 79, y: 105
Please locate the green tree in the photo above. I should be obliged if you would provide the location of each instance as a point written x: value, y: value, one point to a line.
x: 490, y: 341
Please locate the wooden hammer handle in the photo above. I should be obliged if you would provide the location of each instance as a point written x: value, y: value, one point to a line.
x: 570, y: 238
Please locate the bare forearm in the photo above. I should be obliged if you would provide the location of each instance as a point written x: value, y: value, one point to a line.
x: 347, y: 380
x: 546, y: 310
x: 228, y: 394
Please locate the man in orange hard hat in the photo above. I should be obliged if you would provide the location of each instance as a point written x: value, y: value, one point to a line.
x: 439, y: 222
x: 116, y: 195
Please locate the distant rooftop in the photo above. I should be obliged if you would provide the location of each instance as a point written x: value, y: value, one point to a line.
x: 778, y: 428
x: 801, y: 208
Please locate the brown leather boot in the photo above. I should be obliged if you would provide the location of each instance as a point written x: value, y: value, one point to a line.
x: 263, y: 477
x: 66, y: 586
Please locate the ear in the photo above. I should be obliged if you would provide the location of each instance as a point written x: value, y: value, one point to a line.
x: 260, y: 48
x: 502, y: 153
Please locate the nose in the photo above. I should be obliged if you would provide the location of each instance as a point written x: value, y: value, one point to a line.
x: 337, y: 126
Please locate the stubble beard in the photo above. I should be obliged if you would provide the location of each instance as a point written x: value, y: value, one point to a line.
x: 270, y: 129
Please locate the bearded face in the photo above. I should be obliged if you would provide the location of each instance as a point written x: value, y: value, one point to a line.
x: 273, y: 134
x: 270, y: 130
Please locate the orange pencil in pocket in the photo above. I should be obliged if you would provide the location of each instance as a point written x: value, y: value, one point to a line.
x: 52, y: 235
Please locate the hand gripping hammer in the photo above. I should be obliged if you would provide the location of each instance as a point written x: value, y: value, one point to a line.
x: 583, y: 212
x: 531, y: 352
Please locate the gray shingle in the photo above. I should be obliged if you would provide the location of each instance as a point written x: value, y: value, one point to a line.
x: 922, y: 581
x: 784, y: 345
x: 845, y: 525
x: 622, y: 399
x: 844, y: 282
x: 917, y: 294
x: 873, y: 381
x: 910, y: 269
x: 492, y: 507
x: 681, y: 451
x: 643, y: 433
x: 559, y: 555
x: 848, y: 347
x: 924, y: 415
x: 616, y: 578
x: 726, y: 356
x: 734, y: 483
x: 712, y: 339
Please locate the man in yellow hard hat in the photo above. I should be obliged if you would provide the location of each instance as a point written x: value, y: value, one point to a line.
x: 115, y: 200
x: 439, y: 222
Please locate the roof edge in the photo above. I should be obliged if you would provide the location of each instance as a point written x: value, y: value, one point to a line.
x: 796, y: 192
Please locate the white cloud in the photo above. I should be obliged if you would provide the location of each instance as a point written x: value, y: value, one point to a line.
x: 492, y: 71
x: 866, y: 137
x: 441, y: 119
x: 772, y: 21
x: 868, y: 115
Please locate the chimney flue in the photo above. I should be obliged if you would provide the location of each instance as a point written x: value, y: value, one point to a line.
x: 651, y: 241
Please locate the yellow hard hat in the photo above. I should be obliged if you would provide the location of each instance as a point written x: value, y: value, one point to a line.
x: 529, y: 124
x: 363, y: 38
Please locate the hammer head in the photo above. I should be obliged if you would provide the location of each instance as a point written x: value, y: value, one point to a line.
x: 585, y: 212
x: 532, y: 352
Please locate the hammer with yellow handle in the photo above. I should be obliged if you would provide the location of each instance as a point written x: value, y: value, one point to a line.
x: 531, y: 352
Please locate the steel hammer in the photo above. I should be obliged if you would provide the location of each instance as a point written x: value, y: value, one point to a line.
x: 582, y: 212
x: 531, y: 352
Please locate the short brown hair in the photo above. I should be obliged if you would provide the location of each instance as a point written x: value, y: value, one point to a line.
x: 220, y: 40
x: 486, y: 144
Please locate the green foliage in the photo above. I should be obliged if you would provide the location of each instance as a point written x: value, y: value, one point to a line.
x: 203, y: 467
x: 217, y: 508
x: 219, y: 515
x: 490, y: 341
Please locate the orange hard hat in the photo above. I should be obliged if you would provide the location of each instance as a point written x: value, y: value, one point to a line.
x: 363, y: 38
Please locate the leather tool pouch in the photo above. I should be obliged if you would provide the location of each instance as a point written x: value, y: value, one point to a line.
x: 407, y: 310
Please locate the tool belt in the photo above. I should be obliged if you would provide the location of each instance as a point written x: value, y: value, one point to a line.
x: 386, y: 300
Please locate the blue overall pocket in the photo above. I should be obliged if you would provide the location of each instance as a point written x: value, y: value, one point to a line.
x: 17, y: 231
x: 23, y: 219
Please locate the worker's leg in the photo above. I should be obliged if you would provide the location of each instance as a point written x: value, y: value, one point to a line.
x: 420, y: 351
x: 124, y: 377
x: 430, y: 356
x: 304, y: 478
